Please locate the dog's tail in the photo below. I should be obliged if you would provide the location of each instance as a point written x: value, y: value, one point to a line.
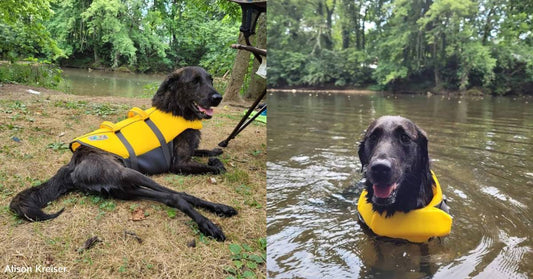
x: 28, y: 204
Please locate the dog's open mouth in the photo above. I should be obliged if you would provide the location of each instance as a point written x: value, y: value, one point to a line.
x: 384, y: 192
x: 206, y: 112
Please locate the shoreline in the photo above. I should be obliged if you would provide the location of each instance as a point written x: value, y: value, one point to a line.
x: 321, y: 91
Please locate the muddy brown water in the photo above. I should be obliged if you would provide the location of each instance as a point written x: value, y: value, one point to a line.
x: 108, y: 83
x: 481, y: 150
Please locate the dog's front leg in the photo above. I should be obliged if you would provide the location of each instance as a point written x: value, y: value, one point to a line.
x: 214, y: 166
x: 207, y: 153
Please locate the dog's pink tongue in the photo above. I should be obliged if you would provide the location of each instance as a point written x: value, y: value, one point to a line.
x: 208, y: 111
x: 383, y: 192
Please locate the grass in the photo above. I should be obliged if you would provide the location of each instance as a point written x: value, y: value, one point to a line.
x: 34, y: 136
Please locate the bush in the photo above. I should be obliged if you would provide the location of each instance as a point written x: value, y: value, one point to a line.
x: 45, y: 75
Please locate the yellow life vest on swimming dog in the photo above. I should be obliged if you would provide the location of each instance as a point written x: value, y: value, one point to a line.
x: 143, y: 141
x: 417, y: 225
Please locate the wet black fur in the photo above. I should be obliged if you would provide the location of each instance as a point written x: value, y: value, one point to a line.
x: 97, y: 172
x: 402, y: 143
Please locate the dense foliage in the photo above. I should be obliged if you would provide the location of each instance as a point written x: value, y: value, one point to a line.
x: 140, y: 35
x: 404, y: 45
x: 40, y: 74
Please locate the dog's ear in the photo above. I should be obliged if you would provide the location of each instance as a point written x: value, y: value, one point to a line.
x: 167, y: 97
x: 171, y: 82
x: 361, y: 152
x: 422, y: 141
x: 362, y: 155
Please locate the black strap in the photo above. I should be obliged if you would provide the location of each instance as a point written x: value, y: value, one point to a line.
x: 164, y: 146
x: 132, y: 162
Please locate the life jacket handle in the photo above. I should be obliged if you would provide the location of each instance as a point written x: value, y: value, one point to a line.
x: 107, y: 125
x: 137, y: 111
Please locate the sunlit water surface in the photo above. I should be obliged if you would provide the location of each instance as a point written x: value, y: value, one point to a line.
x: 481, y: 150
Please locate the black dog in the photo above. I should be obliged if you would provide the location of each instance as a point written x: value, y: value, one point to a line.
x: 394, y: 155
x: 187, y: 92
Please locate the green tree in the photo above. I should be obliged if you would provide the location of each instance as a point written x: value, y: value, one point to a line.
x: 22, y: 33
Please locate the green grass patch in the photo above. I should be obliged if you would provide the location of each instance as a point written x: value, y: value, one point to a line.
x: 71, y: 105
x: 58, y: 146
x: 102, y: 110
x: 246, y: 261
x: 104, y: 205
x: 237, y: 176
x: 171, y: 212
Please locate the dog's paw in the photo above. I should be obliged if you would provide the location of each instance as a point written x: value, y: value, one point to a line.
x: 217, y: 164
x: 209, y: 229
x: 217, y: 151
x: 224, y: 210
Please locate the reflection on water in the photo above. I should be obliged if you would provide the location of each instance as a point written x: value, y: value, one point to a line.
x: 481, y: 150
x: 105, y: 83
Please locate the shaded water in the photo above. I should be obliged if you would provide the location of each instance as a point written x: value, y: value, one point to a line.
x: 105, y: 83
x: 481, y: 151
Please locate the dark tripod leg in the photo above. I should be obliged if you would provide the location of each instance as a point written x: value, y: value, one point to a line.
x: 238, y: 128
x: 251, y: 119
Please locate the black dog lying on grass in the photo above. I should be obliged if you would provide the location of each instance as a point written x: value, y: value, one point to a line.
x: 184, y: 98
x: 402, y: 197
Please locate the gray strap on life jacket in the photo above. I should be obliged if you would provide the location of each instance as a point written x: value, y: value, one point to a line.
x: 443, y: 206
x: 132, y: 161
x: 164, y: 146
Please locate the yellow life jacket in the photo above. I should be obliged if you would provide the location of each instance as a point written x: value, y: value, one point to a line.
x: 143, y: 140
x: 416, y: 225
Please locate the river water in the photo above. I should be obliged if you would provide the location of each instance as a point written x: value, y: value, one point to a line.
x: 481, y: 150
x: 108, y: 83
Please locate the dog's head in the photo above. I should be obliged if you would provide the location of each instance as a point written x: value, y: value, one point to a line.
x: 188, y: 92
x: 394, y: 156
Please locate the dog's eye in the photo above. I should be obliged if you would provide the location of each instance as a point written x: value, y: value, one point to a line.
x: 373, y: 137
x: 405, y: 139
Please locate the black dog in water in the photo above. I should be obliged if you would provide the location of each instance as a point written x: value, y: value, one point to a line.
x: 402, y: 197
x: 394, y: 153
x: 187, y: 93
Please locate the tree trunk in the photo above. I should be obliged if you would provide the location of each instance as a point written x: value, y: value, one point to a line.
x: 258, y: 84
x: 436, y: 69
x: 487, y: 27
x: 240, y: 67
x: 346, y: 10
x: 357, y: 20
x: 363, y: 38
x: 329, y: 25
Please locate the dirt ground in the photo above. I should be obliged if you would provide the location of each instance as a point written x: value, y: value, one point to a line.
x: 139, y: 239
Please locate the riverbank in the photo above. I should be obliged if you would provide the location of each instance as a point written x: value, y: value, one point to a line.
x: 324, y: 91
x: 470, y: 92
x: 141, y: 239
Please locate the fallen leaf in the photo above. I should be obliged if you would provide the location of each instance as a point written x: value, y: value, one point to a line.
x: 138, y: 215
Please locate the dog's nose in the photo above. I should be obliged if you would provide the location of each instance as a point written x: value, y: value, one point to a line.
x: 216, y: 99
x: 381, y: 168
